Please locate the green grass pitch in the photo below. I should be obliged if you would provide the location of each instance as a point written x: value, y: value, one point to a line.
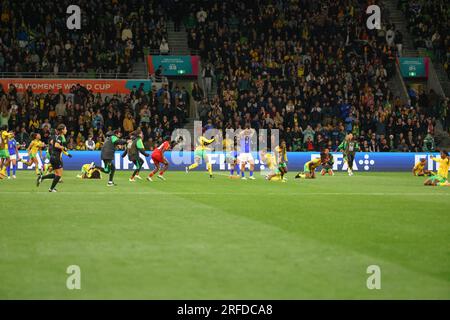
x: 192, y: 237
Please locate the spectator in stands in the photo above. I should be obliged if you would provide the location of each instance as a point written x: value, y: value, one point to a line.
x: 164, y: 47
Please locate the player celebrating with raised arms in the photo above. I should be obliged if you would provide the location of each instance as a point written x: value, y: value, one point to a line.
x: 349, y: 147
x: 440, y: 179
x: 35, y: 146
x: 13, y: 150
x: 4, y: 152
x: 135, y: 147
x: 57, y: 149
x: 113, y: 139
x: 245, y: 155
x: 200, y: 154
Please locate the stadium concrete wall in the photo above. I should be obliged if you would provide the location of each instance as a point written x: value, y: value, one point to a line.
x: 364, y: 162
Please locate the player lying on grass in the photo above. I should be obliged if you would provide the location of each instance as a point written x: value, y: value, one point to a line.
x: 35, y: 146
x: 327, y: 162
x: 4, y: 152
x: 88, y: 171
x: 309, y: 169
x: 134, y: 148
x: 419, y: 169
x: 281, y: 159
x: 159, y: 158
x: 200, y: 154
x: 441, y: 178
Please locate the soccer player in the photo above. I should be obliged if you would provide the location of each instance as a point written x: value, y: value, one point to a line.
x: 4, y: 152
x: 200, y: 154
x: 57, y: 149
x: 135, y: 147
x: 13, y: 150
x: 158, y: 159
x: 88, y: 171
x: 35, y: 146
x: 233, y: 163
x: 309, y: 169
x: 281, y: 158
x: 113, y: 139
x: 245, y: 155
x: 327, y: 162
x: 349, y: 147
x: 419, y: 169
x: 440, y: 179
x: 274, y: 173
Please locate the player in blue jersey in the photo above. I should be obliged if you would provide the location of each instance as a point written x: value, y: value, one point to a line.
x: 13, y: 156
x: 245, y: 151
x: 233, y: 163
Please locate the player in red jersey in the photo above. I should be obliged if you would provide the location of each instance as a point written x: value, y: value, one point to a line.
x: 158, y: 159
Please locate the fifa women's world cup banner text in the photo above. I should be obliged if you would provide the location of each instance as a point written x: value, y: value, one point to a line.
x: 178, y: 160
x: 102, y: 86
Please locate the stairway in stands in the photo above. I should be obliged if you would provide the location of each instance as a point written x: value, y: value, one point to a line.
x: 140, y: 69
x: 178, y: 40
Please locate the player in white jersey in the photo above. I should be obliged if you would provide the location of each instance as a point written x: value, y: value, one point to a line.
x: 245, y: 151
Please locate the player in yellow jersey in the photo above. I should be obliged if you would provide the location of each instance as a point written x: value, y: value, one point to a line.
x: 4, y: 152
x: 419, y: 169
x: 33, y: 149
x: 89, y: 171
x: 441, y: 178
x: 200, y: 154
x: 272, y: 166
x: 281, y: 158
x: 309, y: 170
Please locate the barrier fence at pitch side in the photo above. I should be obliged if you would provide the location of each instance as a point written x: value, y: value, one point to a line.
x: 365, y: 162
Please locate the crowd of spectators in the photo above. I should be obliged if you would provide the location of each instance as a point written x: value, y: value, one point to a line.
x: 308, y: 68
x: 89, y: 116
x: 34, y: 36
x: 429, y: 22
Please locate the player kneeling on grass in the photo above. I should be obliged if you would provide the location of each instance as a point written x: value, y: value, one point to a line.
x: 274, y: 173
x: 309, y: 169
x: 327, y: 162
x: 88, y: 171
x: 440, y: 179
x: 135, y: 146
x: 419, y: 169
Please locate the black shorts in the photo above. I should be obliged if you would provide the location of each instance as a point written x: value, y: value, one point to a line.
x: 56, y: 163
x: 138, y: 163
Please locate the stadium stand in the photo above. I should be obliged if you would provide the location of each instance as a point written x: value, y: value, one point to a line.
x: 308, y: 68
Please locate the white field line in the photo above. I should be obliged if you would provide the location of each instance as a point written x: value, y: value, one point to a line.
x: 246, y: 194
